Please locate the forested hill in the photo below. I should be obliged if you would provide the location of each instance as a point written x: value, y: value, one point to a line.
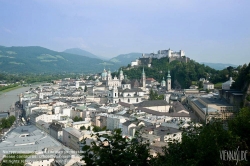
x: 242, y: 82
x: 36, y: 59
x: 183, y: 74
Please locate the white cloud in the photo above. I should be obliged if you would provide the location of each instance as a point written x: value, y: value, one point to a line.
x: 7, y: 30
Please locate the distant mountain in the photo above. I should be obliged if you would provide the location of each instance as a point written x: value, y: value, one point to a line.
x: 78, y: 51
x: 218, y: 66
x: 35, y: 59
x: 125, y: 59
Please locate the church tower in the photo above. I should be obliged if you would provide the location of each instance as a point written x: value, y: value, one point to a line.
x: 115, y: 92
x: 104, y: 74
x: 121, y: 77
x: 115, y: 95
x: 163, y: 82
x: 168, y: 81
x: 109, y: 77
x: 143, y: 79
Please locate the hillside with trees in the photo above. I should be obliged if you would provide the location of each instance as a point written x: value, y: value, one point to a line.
x: 242, y: 82
x: 34, y: 59
x: 32, y: 77
x: 182, y: 73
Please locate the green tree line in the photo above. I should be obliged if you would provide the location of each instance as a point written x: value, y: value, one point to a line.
x: 7, y: 122
x: 7, y: 87
x: 32, y: 78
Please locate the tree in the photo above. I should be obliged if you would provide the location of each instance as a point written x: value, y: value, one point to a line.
x: 200, y: 84
x: 82, y: 128
x: 97, y: 128
x: 7, y: 122
x: 77, y: 119
x: 154, y: 95
x: 117, y: 150
x: 240, y: 125
x: 200, y: 146
x: 85, y: 88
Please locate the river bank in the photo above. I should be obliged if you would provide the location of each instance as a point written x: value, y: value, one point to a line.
x: 8, y: 99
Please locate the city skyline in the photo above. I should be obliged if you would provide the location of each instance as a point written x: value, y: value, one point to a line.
x: 214, y: 31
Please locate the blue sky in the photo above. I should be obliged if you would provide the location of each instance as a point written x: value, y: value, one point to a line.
x: 208, y: 31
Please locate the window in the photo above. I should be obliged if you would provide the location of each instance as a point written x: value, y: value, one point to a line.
x: 128, y: 100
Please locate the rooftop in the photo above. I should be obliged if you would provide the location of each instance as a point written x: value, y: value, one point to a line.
x: 151, y: 103
x: 24, y: 139
x: 210, y: 100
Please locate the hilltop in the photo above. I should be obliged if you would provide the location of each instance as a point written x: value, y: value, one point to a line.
x: 78, y: 51
x: 35, y: 59
x: 183, y: 74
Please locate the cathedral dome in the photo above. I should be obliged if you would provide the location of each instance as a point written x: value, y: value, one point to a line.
x: 109, y: 72
x: 163, y: 81
x: 121, y: 72
x: 104, y: 73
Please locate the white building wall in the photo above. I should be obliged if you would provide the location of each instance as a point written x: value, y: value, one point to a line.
x: 78, y: 125
x: 47, y: 118
x: 115, y: 122
x: 135, y: 63
x: 66, y: 111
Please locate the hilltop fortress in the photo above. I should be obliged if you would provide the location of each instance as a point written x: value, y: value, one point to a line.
x: 146, y: 59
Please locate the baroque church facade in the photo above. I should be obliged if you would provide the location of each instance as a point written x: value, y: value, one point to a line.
x: 122, y: 89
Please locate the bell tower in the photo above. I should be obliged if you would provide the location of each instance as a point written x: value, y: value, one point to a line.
x: 143, y: 79
x: 168, y: 81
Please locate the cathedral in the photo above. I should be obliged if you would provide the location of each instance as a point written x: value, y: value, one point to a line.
x: 122, y: 89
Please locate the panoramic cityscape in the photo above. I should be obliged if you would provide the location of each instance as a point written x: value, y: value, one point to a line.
x: 124, y: 83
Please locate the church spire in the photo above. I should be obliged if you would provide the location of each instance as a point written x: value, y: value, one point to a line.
x: 169, y: 76
x: 143, y: 78
x: 168, y: 81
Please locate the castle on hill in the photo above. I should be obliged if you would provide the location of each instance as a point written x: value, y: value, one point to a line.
x: 146, y: 59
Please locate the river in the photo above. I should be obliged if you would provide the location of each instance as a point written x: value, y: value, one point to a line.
x: 8, y: 99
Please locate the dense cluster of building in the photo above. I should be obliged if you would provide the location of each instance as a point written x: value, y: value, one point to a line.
x: 113, y: 103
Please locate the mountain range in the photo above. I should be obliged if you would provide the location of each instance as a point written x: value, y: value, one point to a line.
x: 78, y: 51
x: 218, y: 66
x: 36, y: 59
